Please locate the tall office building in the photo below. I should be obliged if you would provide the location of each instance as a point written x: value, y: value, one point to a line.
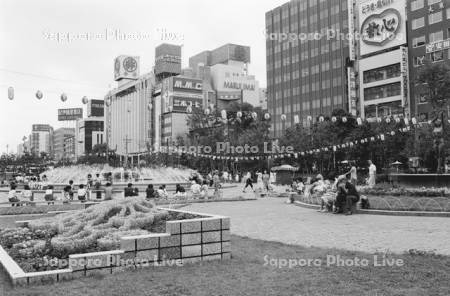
x: 167, y: 60
x: 41, y: 140
x: 429, y: 40
x: 59, y: 143
x: 306, y: 72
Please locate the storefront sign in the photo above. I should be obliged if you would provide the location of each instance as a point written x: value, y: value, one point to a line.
x: 185, y: 83
x: 404, y: 67
x: 96, y: 108
x: 383, y: 24
x: 70, y: 114
x: 437, y: 46
x: 238, y: 85
x: 180, y: 104
x: 352, y: 99
x: 351, y: 29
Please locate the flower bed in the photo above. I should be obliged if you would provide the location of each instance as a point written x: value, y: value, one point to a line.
x: 389, y: 190
x: 129, y: 228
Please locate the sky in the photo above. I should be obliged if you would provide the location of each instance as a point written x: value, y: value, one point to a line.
x: 35, y: 53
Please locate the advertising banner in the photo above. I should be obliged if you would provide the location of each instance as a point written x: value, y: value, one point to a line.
x: 70, y: 114
x: 382, y: 24
x: 96, y: 108
x: 126, y: 67
x: 405, y: 79
x: 180, y: 104
x: 352, y: 99
x: 183, y: 84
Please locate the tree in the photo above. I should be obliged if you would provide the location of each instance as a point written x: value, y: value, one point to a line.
x: 435, y: 77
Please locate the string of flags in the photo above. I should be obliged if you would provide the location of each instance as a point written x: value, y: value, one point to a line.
x: 299, y: 154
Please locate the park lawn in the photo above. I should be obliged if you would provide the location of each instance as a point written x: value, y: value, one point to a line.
x: 246, y: 274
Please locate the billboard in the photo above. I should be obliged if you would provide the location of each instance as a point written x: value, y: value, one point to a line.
x: 96, y: 108
x: 181, y: 83
x: 126, y: 67
x: 70, y: 114
x: 382, y: 24
x: 405, y: 79
x: 180, y: 104
x: 352, y: 99
x: 41, y: 128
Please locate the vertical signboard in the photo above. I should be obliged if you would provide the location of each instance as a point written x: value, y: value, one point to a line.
x: 351, y: 81
x: 351, y: 29
x: 405, y: 80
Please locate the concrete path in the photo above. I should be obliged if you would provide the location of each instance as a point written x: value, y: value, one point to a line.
x: 274, y: 220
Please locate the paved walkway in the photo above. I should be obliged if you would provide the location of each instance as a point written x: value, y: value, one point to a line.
x: 274, y: 220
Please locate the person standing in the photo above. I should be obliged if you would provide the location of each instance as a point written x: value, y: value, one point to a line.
x: 353, y: 175
x: 248, y: 182
x: 372, y: 174
x: 266, y: 180
x: 108, y: 191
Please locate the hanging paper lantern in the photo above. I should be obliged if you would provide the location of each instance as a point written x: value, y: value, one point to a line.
x: 397, y: 119
x: 254, y: 115
x: 39, y: 95
x: 333, y: 119
x: 430, y: 122
x: 108, y: 103
x: 344, y: 119
x: 296, y: 119
x: 392, y: 133
x: 239, y: 114
x: 63, y: 97
x: 388, y: 120
x: 309, y: 118
x: 85, y: 100
x: 406, y: 121
x: 372, y: 139
x: 11, y: 93
x: 414, y: 121
x: 283, y: 117
x: 207, y: 111
x: 189, y: 109
x: 321, y: 119
x: 267, y: 116
x: 224, y: 114
x: 379, y: 119
x: 359, y: 121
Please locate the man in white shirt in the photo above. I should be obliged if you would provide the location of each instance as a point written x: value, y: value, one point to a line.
x: 372, y: 174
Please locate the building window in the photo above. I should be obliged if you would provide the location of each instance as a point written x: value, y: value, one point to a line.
x: 383, y: 91
x: 382, y: 73
x: 419, y: 61
x: 418, y: 23
x: 448, y: 13
x: 436, y: 36
x: 432, y: 2
x: 437, y: 56
x: 435, y: 18
x: 422, y: 98
x: 419, y: 41
x: 418, y: 4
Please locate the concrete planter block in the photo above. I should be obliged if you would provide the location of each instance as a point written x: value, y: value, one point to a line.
x: 211, y: 224
x: 20, y: 282
x: 147, y: 243
x: 169, y: 253
x: 98, y: 272
x: 146, y: 256
x: 127, y: 245
x: 226, y: 235
x: 191, y: 251
x: 211, y: 237
x: 170, y: 241
x: 226, y: 223
x: 93, y: 262
x: 211, y: 249
x: 190, y: 226
x: 191, y: 239
x: 42, y: 279
x: 173, y: 227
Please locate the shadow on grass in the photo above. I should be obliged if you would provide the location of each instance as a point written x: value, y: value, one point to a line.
x: 252, y: 271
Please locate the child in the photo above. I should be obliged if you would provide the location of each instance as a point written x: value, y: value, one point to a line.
x: 72, y: 189
x: 150, y: 192
x: 81, y: 193
x: 108, y: 191
x: 49, y: 195
x: 66, y: 194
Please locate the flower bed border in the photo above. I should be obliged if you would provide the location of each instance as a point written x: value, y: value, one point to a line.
x: 187, y: 241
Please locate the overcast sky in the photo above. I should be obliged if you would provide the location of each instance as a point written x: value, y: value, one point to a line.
x: 29, y: 45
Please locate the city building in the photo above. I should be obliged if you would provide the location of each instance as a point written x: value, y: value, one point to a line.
x: 59, y: 143
x: 167, y: 61
x: 69, y: 148
x: 263, y: 98
x: 41, y: 139
x: 88, y: 133
x: 128, y: 112
x: 225, y: 75
x: 383, y: 58
x: 429, y: 40
x: 307, y: 72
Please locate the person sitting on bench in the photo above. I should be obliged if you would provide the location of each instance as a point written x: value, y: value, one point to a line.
x: 12, y: 195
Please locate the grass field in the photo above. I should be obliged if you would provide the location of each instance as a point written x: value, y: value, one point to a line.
x: 248, y: 273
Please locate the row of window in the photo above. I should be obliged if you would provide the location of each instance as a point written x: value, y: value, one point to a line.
x: 437, y: 56
x: 309, y: 105
x: 432, y: 37
x: 382, y: 73
x: 382, y: 91
x: 433, y: 18
x: 419, y: 4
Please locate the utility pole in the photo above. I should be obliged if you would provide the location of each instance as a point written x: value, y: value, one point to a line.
x: 126, y: 142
